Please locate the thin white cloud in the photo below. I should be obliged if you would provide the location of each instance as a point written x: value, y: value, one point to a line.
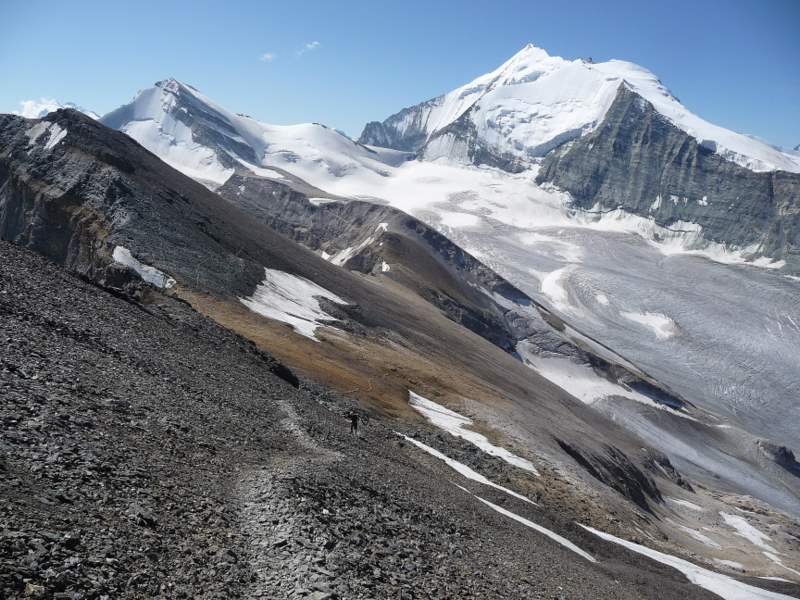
x: 268, y: 57
x: 309, y: 47
x: 36, y: 109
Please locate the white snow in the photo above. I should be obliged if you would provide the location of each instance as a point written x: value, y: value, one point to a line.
x: 340, y: 258
x: 459, y: 220
x: 717, y: 583
x: 56, y: 135
x: 781, y: 579
x: 150, y: 274
x: 385, y: 268
x: 536, y: 527
x: 700, y: 537
x: 34, y: 133
x: 581, y: 381
x: 456, y: 424
x: 778, y: 561
x: 747, y: 531
x: 320, y: 201
x: 552, y: 286
x: 464, y: 469
x: 685, y: 504
x: 172, y: 141
x: 291, y: 299
x: 663, y: 327
x: 534, y: 102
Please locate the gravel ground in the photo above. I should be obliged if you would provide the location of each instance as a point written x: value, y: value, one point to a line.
x: 147, y: 452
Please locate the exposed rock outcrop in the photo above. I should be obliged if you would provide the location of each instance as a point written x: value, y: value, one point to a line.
x: 639, y: 161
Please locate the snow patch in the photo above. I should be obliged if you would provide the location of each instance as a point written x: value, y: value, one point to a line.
x: 320, y: 201
x: 777, y: 560
x: 685, y: 504
x: 150, y: 274
x: 455, y: 424
x: 581, y: 381
x: 552, y: 286
x: 291, y: 299
x: 464, y: 469
x: 700, y: 537
x: 173, y: 142
x: 726, y: 587
x: 536, y: 527
x: 340, y: 258
x: 747, y: 531
x: 56, y: 135
x: 661, y: 324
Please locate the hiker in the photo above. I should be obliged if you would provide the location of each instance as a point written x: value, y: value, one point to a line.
x: 354, y: 423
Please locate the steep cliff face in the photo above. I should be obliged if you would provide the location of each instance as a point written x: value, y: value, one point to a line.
x: 77, y: 191
x: 639, y: 161
x: 405, y: 130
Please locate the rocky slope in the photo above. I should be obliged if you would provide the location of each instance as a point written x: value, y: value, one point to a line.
x: 148, y: 452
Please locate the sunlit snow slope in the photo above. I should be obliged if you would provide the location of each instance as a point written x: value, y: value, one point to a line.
x: 534, y: 102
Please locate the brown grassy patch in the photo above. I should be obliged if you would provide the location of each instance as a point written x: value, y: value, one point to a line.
x: 378, y: 372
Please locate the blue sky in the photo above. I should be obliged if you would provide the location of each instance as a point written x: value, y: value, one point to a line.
x: 734, y: 62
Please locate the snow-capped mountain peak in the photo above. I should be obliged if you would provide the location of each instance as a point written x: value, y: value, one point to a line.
x: 534, y: 102
x: 202, y: 139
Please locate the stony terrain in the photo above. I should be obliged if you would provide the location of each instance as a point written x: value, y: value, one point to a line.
x: 147, y: 452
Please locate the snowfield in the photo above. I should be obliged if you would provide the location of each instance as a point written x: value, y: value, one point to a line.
x: 291, y: 299
x: 662, y: 326
x: 456, y: 424
x: 464, y: 470
x: 150, y: 274
x: 543, y: 530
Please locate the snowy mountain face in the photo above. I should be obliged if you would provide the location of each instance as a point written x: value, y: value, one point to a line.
x: 535, y: 102
x: 200, y: 138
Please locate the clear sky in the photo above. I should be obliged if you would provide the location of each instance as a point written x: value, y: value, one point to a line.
x: 342, y: 63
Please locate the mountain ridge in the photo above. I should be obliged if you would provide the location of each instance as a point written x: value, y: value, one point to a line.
x: 589, y: 86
